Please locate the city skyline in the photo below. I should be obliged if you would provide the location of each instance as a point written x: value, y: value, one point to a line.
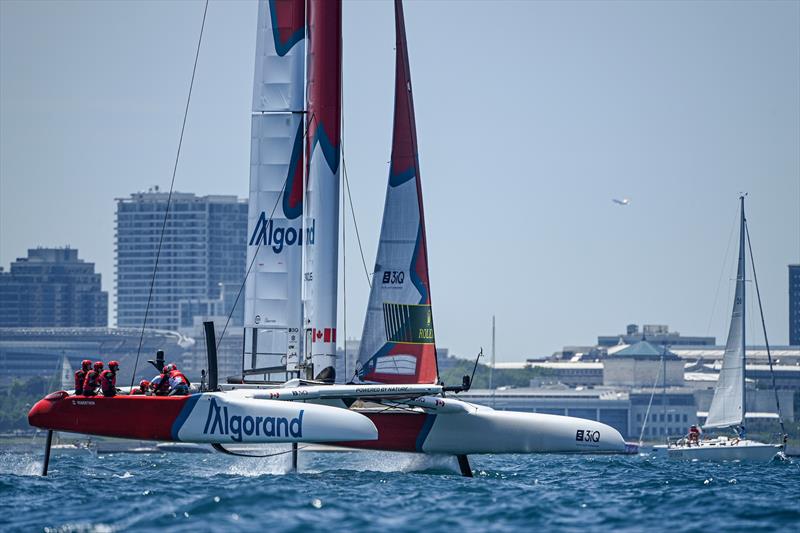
x: 653, y: 102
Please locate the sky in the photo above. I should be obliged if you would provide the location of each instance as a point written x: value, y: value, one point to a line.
x: 531, y: 117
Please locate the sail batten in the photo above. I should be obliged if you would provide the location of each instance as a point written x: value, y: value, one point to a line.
x: 728, y: 404
x: 398, y: 341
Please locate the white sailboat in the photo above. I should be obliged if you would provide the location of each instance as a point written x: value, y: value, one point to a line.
x: 729, y: 402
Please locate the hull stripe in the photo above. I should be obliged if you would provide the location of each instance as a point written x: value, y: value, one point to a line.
x: 183, y: 415
x: 426, y: 429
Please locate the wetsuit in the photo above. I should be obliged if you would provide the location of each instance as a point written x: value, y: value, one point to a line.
x: 91, y: 383
x: 80, y: 376
x: 108, y: 383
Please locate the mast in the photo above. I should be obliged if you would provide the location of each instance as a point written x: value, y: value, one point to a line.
x: 491, y: 368
x: 273, y: 288
x: 740, y: 279
x: 321, y: 220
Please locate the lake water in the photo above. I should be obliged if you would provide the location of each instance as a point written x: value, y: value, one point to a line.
x: 377, y: 491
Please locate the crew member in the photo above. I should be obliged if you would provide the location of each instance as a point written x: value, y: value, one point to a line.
x: 108, y: 380
x: 178, y: 383
x: 143, y: 390
x: 160, y: 383
x: 694, y: 435
x: 80, y: 376
x: 92, y: 381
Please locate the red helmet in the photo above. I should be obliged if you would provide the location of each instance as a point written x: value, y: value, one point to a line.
x: 86, y: 364
x: 144, y: 384
x: 113, y: 366
x: 173, y: 366
x: 98, y: 366
x: 166, y: 369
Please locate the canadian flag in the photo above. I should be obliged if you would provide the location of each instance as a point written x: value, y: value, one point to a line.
x: 324, y: 335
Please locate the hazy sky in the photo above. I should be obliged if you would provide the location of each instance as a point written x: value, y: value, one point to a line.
x: 531, y: 117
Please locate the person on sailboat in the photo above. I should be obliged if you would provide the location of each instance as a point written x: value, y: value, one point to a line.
x: 92, y: 381
x: 694, y: 436
x: 160, y: 384
x: 108, y: 380
x: 143, y: 390
x: 80, y: 376
x: 178, y: 383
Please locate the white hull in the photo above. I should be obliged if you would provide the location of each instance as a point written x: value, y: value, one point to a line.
x: 225, y: 418
x: 488, y: 431
x: 720, y: 449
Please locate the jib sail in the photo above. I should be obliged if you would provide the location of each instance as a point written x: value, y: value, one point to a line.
x: 398, y: 342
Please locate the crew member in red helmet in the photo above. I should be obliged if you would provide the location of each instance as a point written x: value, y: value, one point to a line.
x: 92, y: 381
x: 160, y: 383
x: 108, y: 380
x: 80, y: 376
x: 143, y: 390
x: 178, y: 383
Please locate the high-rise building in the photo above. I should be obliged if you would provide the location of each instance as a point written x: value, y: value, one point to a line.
x: 52, y: 288
x: 202, y: 258
x: 794, y: 305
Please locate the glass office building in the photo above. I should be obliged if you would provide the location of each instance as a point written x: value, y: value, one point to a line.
x: 202, y: 257
x: 51, y: 287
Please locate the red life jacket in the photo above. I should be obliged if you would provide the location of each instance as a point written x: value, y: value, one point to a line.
x: 177, y: 374
x: 108, y: 382
x: 90, y: 384
x: 80, y: 376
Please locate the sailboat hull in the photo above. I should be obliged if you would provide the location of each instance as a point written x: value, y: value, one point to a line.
x: 484, y: 430
x: 721, y: 450
x: 203, y: 418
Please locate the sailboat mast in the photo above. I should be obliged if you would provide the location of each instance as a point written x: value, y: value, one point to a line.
x: 741, y: 270
x: 321, y: 217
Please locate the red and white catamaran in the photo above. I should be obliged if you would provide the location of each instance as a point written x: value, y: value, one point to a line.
x: 395, y: 400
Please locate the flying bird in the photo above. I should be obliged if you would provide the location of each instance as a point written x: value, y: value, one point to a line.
x: 624, y: 201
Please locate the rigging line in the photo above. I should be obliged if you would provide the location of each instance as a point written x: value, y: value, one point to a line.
x: 355, y: 224
x: 764, y: 327
x: 721, y: 272
x: 350, y: 197
x: 258, y: 248
x: 169, y: 198
x: 649, y: 404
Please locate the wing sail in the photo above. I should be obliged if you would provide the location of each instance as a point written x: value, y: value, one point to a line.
x: 273, y: 311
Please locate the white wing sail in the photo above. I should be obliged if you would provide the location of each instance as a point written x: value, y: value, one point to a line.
x: 273, y: 299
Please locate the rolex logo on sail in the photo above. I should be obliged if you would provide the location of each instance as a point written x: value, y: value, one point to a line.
x: 269, y: 233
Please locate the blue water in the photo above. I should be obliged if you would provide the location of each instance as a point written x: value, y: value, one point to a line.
x: 378, y: 491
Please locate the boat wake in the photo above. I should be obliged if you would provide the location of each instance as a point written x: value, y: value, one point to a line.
x: 20, y: 464
x: 371, y: 461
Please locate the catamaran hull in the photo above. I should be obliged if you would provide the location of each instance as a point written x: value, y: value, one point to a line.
x: 488, y: 431
x: 202, y: 418
x: 742, y: 451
